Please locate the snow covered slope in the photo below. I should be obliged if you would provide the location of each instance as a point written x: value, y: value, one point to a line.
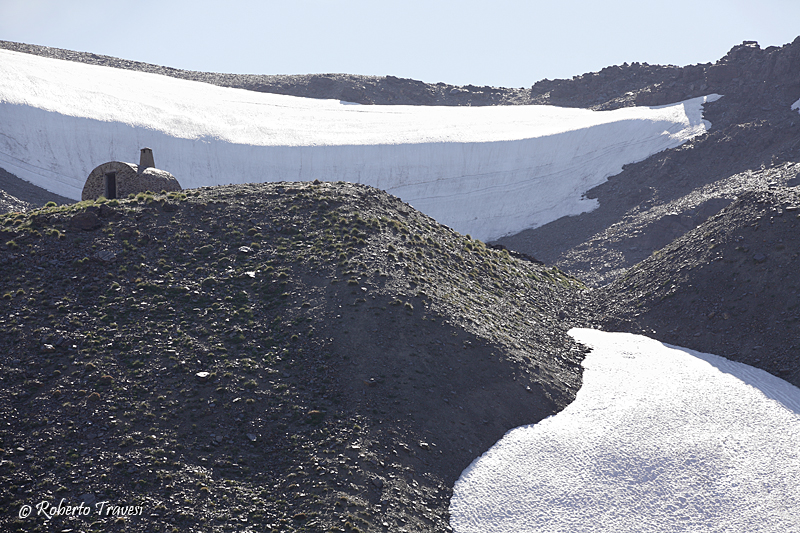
x: 487, y: 171
x: 659, y: 438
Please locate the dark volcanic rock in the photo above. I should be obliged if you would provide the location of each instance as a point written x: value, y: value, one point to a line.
x: 728, y: 287
x: 86, y: 221
x: 349, y: 355
x: 309, y: 353
x: 752, y: 143
x: 19, y: 195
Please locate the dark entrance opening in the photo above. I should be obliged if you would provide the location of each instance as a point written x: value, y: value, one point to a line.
x: 111, y: 185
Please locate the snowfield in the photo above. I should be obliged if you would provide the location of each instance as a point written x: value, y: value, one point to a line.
x: 486, y: 171
x: 659, y: 438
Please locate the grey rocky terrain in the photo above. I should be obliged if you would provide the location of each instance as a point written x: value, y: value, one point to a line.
x: 694, y: 246
x: 19, y: 195
x: 754, y: 142
x: 269, y: 357
x: 754, y: 131
x: 728, y: 287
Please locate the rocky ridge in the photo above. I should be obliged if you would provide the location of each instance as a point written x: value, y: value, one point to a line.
x: 753, y: 128
x: 753, y: 141
x: 20, y: 195
x: 694, y: 246
x: 728, y: 287
x: 746, y: 68
x: 380, y: 90
x: 273, y: 357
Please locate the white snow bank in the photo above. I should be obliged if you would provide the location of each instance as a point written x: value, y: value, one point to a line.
x: 487, y: 171
x: 659, y: 438
x: 796, y: 106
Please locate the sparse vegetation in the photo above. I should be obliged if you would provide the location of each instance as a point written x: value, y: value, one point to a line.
x: 188, y: 321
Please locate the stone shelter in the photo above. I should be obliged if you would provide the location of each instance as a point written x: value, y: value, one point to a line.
x: 116, y: 179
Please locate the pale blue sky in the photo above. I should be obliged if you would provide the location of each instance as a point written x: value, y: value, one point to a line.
x: 501, y: 43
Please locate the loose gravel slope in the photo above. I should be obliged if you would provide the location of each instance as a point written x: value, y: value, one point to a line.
x: 728, y: 287
x: 288, y: 356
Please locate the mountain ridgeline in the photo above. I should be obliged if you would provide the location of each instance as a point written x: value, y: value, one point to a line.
x: 319, y: 356
x: 323, y: 357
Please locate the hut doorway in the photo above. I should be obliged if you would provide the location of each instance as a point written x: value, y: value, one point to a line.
x: 111, y: 185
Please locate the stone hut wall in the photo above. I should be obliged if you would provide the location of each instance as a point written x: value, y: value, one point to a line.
x: 95, y: 186
x: 156, y: 180
x: 128, y: 180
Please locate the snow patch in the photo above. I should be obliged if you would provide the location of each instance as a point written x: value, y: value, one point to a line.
x: 659, y: 438
x: 487, y: 171
x: 796, y: 106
